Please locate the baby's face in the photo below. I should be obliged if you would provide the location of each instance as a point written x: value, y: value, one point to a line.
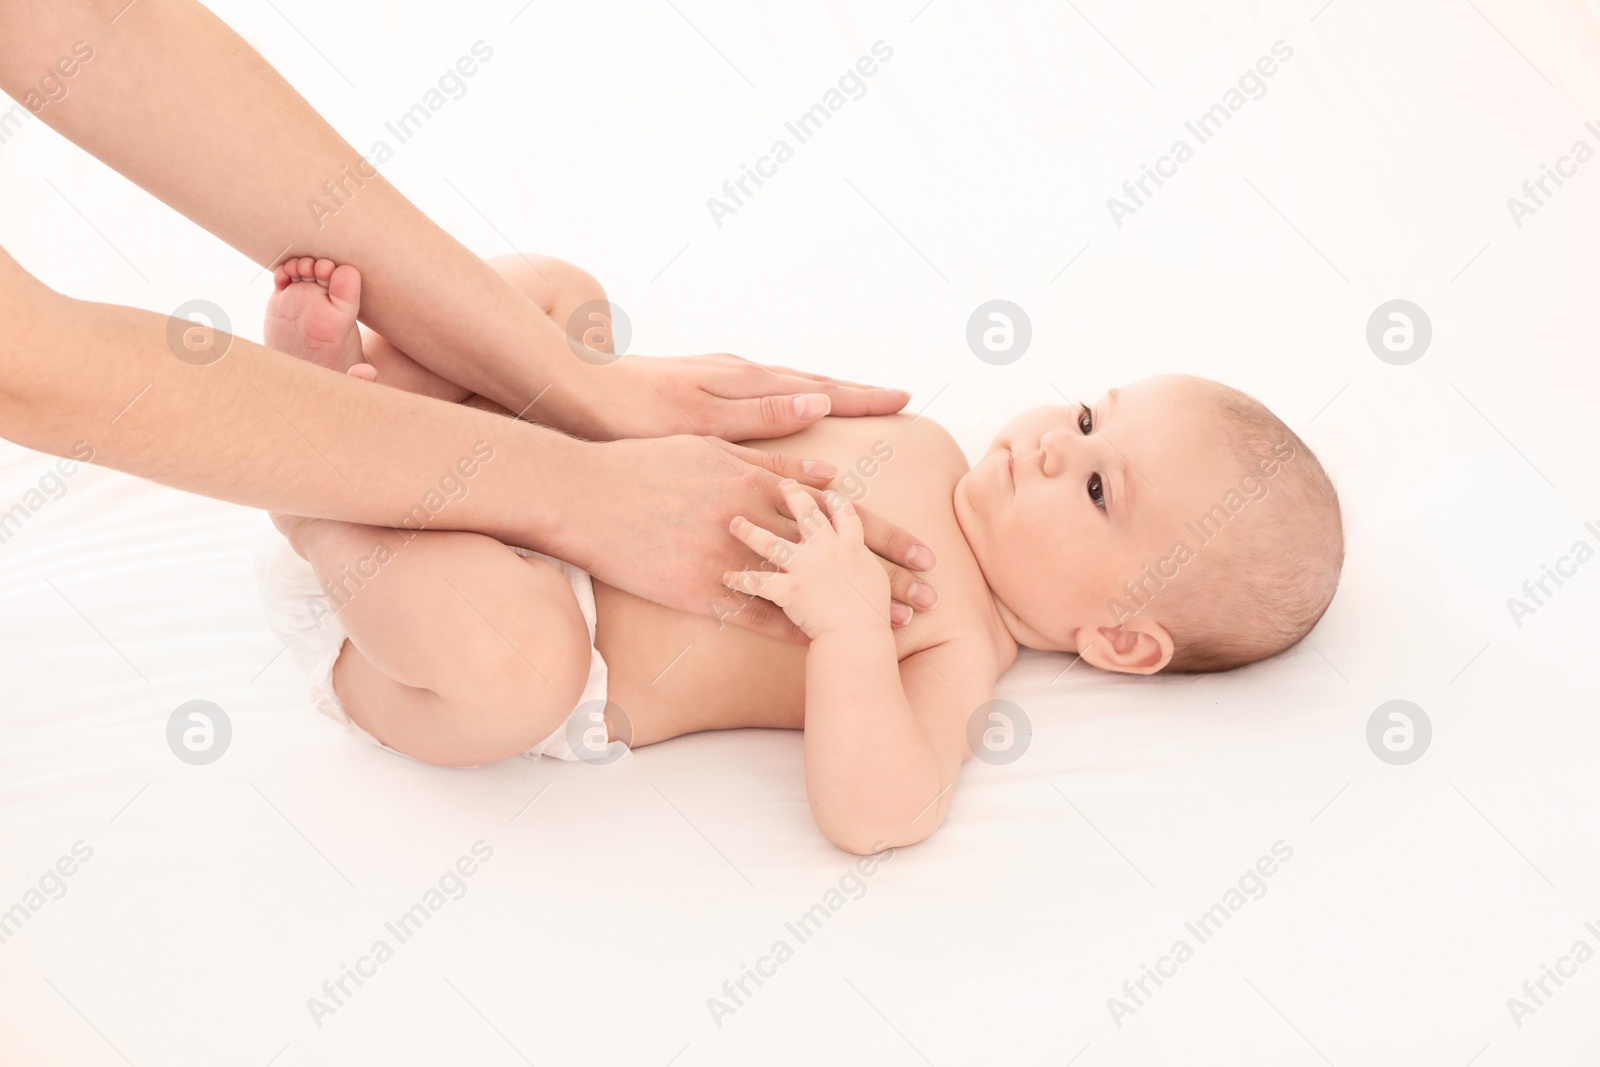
x: 1070, y: 502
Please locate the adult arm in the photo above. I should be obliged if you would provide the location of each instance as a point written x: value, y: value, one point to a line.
x: 260, y: 428
x: 180, y: 104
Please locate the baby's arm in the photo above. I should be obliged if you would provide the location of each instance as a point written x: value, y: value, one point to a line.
x: 884, y: 739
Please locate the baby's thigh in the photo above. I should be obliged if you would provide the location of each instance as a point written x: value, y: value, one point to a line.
x: 506, y: 659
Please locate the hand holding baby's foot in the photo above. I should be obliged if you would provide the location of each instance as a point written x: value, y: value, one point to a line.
x: 312, y: 315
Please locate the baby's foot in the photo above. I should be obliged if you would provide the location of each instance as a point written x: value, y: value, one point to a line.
x: 312, y: 314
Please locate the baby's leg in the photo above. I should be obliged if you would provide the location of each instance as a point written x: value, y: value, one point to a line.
x: 557, y: 287
x: 460, y: 651
x: 312, y: 315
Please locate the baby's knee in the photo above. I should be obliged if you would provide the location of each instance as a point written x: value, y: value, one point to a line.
x: 573, y: 284
x: 554, y: 284
x: 517, y: 683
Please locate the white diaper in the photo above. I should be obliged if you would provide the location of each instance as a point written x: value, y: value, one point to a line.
x: 304, y: 620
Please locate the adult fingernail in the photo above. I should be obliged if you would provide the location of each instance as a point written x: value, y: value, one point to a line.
x: 919, y: 558
x: 922, y: 595
x: 811, y: 405
x: 899, y: 614
x: 815, y: 468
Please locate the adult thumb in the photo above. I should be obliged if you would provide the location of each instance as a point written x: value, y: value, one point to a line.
x: 767, y: 416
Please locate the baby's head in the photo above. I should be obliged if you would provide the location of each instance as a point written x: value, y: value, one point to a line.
x: 1173, y: 524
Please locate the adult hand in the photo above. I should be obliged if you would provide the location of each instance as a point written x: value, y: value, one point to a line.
x: 721, y: 396
x: 665, y: 504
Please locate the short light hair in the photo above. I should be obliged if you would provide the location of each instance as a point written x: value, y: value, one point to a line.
x: 1276, y: 570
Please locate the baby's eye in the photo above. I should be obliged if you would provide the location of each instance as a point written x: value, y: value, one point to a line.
x: 1097, y: 492
x: 1085, y: 420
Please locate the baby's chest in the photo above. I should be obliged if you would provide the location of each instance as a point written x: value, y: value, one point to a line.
x: 688, y: 672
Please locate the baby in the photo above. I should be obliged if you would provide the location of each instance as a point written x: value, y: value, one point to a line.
x: 1174, y: 524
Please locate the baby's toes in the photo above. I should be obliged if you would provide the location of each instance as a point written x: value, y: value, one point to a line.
x: 344, y: 285
x: 322, y: 270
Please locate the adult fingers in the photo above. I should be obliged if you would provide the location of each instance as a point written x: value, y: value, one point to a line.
x: 903, y: 558
x: 848, y: 398
x: 788, y: 405
x: 761, y: 616
x: 811, y: 472
x: 908, y: 588
x: 894, y: 543
x: 750, y: 417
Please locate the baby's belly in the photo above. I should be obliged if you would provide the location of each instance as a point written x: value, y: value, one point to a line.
x: 673, y: 673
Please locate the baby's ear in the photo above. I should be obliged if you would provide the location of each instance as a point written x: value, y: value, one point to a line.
x: 1135, y: 647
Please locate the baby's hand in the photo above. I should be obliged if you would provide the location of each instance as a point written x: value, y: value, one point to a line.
x: 830, y: 581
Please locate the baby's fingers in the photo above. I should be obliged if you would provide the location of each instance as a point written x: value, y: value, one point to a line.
x: 753, y: 583
x: 803, y: 506
x: 843, y: 513
x: 764, y: 543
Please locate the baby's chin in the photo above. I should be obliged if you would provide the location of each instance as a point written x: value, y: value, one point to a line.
x: 966, y: 517
x: 974, y: 492
x: 961, y: 497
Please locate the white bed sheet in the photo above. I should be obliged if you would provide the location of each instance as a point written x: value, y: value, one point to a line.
x: 618, y: 901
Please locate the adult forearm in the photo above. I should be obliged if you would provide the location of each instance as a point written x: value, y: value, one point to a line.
x: 164, y: 83
x: 260, y: 428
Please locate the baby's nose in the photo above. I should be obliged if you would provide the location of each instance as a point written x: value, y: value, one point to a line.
x: 1054, y: 452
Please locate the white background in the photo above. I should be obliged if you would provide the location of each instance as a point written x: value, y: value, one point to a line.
x: 977, y: 166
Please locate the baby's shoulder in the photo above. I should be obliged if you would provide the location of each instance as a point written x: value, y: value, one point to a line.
x: 878, y: 449
x: 905, y: 441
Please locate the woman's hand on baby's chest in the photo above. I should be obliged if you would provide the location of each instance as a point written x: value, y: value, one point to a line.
x: 829, y: 582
